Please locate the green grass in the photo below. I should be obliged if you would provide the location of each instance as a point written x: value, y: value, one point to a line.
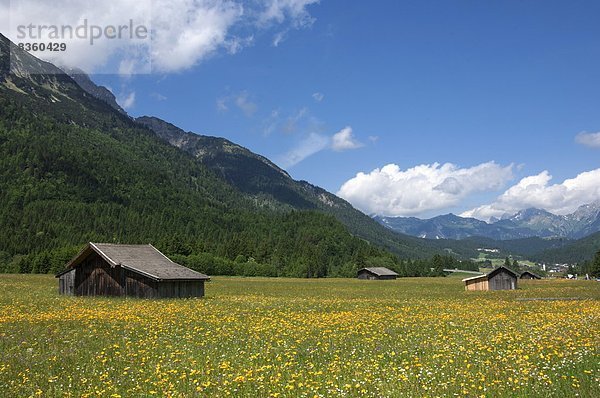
x: 293, y: 338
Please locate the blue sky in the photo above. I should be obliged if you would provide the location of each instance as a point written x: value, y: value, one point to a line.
x: 417, y: 83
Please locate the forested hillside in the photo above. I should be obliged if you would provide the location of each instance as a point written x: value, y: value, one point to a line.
x: 75, y: 170
x: 269, y: 186
x: 573, y: 252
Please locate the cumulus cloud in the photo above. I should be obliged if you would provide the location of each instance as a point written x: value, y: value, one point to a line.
x: 588, y: 139
x: 537, y: 191
x: 392, y: 191
x: 183, y: 32
x: 343, y: 140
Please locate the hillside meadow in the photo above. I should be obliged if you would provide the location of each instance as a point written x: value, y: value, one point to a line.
x: 259, y: 337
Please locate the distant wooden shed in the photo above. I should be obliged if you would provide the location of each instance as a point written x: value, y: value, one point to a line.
x: 103, y: 269
x: 529, y: 275
x: 500, y: 278
x: 376, y: 273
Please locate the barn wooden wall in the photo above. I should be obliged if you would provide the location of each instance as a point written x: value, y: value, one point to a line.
x: 370, y: 276
x: 66, y: 283
x: 528, y: 276
x: 480, y: 284
x: 366, y: 275
x: 96, y: 277
x: 137, y: 285
x: 503, y: 281
x: 181, y: 289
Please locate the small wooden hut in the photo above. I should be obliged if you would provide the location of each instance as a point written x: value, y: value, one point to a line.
x: 376, y: 273
x: 500, y: 278
x: 529, y: 275
x: 103, y: 269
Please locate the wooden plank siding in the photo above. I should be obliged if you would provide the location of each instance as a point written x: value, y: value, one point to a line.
x: 96, y: 277
x: 480, y: 284
x: 500, y: 278
x: 376, y: 273
x: 137, y: 285
x: 502, y: 281
x: 105, y: 269
x: 66, y: 283
x: 181, y: 289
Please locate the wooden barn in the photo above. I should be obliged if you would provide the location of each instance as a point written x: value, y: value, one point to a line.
x: 103, y: 269
x: 376, y: 273
x: 501, y: 278
x: 529, y: 275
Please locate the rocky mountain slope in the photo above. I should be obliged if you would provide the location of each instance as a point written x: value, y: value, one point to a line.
x: 524, y: 224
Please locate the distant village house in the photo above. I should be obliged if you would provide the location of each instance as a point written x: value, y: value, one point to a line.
x: 376, y: 273
x: 500, y: 278
x: 102, y: 269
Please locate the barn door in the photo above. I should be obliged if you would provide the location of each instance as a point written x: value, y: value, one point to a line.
x: 71, y: 285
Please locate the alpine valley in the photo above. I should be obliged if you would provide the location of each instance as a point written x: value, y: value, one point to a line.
x: 74, y: 167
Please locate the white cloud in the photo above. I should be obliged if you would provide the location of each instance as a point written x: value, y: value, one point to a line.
x: 536, y: 191
x: 184, y: 32
x: 391, y: 191
x: 588, y: 139
x: 270, y: 123
x: 277, y: 11
x: 299, y: 121
x: 243, y: 102
x: 315, y: 142
x: 128, y: 100
x: 318, y: 97
x: 159, y: 96
x: 343, y: 140
x: 291, y: 123
x: 279, y: 38
x: 310, y: 145
x: 222, y: 105
x: 187, y: 32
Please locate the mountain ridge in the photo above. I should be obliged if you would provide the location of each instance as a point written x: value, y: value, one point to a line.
x: 75, y: 169
x: 526, y: 223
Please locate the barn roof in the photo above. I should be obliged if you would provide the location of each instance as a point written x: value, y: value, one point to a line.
x: 531, y: 274
x: 491, y: 274
x: 379, y: 271
x: 142, y: 259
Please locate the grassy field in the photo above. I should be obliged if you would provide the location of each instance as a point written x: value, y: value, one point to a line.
x: 303, y: 338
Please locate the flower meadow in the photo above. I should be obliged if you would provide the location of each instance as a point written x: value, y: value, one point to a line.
x: 260, y: 337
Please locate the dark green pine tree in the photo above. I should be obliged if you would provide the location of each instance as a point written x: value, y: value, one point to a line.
x: 595, y: 268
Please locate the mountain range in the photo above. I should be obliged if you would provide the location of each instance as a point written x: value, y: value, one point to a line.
x: 75, y: 167
x: 524, y: 224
